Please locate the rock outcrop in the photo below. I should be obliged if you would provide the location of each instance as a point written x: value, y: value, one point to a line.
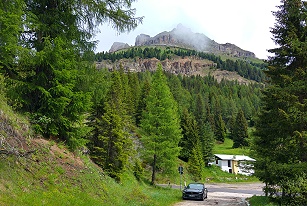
x: 187, y: 66
x: 184, y: 37
x: 118, y: 46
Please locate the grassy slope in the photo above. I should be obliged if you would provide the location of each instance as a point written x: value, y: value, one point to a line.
x: 226, y: 148
x: 51, y: 175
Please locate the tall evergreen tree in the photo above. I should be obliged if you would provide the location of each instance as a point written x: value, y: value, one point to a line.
x: 190, y: 135
x: 206, y: 135
x: 111, y: 144
x: 142, y: 101
x: 196, y: 163
x: 56, y: 40
x: 160, y: 127
x: 281, y: 143
x: 220, y: 128
x: 11, y: 13
x: 207, y: 141
x: 240, y: 133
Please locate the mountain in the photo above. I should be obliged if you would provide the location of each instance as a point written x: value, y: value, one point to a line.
x: 184, y: 37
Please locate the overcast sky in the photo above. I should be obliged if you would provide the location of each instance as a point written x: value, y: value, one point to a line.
x: 245, y: 23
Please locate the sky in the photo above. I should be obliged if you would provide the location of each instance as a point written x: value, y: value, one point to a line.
x: 245, y: 23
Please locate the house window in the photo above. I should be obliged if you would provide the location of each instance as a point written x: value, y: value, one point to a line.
x: 230, y: 170
x: 217, y: 161
x: 229, y: 163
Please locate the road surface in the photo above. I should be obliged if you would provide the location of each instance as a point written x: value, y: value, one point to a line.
x: 222, y: 194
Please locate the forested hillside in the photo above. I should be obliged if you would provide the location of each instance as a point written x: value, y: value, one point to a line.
x: 249, y: 68
x: 121, y: 119
x: 138, y: 125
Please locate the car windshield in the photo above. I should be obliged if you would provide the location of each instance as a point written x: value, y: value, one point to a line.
x: 195, y: 186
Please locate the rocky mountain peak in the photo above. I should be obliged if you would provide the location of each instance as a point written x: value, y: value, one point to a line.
x: 117, y: 46
x: 182, y: 36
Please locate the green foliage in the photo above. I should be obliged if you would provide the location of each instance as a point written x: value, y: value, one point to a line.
x: 190, y: 136
x: 44, y: 47
x: 138, y: 170
x: 220, y: 128
x: 111, y: 145
x: 11, y: 24
x: 226, y: 148
x: 207, y: 141
x: 260, y: 201
x: 196, y: 163
x: 44, y: 182
x: 160, y: 127
x: 245, y: 68
x: 240, y: 132
x: 281, y: 141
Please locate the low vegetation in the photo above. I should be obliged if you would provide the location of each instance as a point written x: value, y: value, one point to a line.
x: 260, y: 201
x: 53, y: 176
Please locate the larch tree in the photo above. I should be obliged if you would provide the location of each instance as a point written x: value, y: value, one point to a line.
x: 160, y: 127
x: 280, y: 145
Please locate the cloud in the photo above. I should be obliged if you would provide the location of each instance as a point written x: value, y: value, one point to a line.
x: 245, y: 23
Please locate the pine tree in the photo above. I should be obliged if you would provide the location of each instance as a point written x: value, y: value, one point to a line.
x: 281, y: 133
x: 160, y: 127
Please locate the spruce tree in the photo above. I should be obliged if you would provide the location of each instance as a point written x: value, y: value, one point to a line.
x: 196, y: 163
x: 207, y: 141
x: 280, y: 146
x: 240, y: 133
x: 190, y: 135
x: 220, y: 128
x: 54, y: 43
x: 111, y: 145
x: 160, y: 127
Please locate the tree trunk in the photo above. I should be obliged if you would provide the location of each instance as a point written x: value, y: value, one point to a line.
x: 153, y: 176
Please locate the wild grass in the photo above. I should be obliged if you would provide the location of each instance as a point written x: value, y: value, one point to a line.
x: 226, y: 148
x: 260, y: 201
x: 40, y: 180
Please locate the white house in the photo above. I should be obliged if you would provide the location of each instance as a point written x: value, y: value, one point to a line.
x: 236, y: 164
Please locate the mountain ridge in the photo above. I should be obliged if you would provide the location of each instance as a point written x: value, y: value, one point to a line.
x: 184, y: 37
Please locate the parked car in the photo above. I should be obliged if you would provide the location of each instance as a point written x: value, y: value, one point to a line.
x: 196, y: 191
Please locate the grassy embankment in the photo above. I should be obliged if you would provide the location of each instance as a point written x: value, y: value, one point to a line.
x: 40, y: 172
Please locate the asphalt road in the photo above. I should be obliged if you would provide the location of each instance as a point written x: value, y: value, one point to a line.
x: 226, y: 194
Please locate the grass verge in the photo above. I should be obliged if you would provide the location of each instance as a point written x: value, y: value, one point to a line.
x: 260, y: 201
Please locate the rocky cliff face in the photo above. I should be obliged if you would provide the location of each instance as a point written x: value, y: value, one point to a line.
x: 188, y: 66
x: 184, y: 37
x: 118, y: 46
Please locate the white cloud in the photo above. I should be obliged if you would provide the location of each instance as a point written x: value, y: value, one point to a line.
x: 245, y: 23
